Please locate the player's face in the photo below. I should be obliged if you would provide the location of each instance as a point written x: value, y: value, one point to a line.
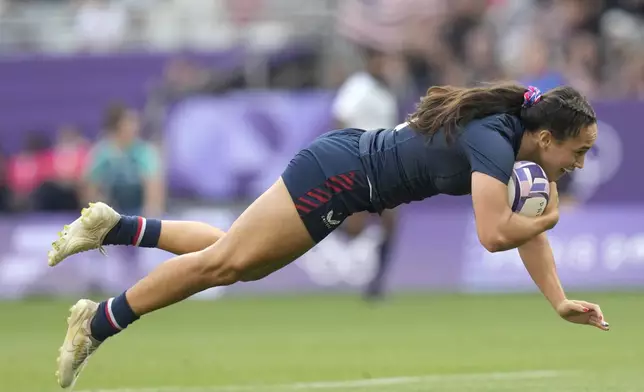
x: 558, y: 157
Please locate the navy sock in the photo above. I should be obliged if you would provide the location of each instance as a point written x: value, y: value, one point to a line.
x: 113, y: 316
x: 136, y: 231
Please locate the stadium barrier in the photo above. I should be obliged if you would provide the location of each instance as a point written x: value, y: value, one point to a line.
x: 600, y: 247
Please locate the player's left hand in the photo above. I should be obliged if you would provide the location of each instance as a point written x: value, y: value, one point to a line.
x: 582, y: 312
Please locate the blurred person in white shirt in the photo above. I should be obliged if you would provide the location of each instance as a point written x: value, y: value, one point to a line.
x: 101, y: 25
x: 365, y: 101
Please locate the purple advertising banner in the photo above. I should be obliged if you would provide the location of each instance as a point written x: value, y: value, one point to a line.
x: 610, y: 170
x: 235, y: 146
x: 238, y: 145
x: 436, y: 249
x: 596, y: 248
x: 40, y: 93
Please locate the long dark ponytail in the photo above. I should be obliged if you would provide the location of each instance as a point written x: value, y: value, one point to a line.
x: 563, y: 110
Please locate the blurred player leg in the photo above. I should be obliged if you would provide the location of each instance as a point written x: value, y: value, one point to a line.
x: 267, y: 236
x: 354, y: 226
x: 375, y: 288
x: 100, y: 225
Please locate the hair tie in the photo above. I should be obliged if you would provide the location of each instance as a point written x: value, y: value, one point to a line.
x: 530, y: 97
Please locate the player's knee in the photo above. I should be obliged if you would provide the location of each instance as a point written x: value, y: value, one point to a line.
x: 224, y: 264
x: 240, y: 269
x: 219, y: 269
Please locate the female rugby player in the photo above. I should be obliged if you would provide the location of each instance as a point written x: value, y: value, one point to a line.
x: 459, y: 141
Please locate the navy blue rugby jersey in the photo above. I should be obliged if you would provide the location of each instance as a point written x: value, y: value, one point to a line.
x: 404, y: 166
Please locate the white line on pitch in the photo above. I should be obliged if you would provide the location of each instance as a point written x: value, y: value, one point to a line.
x: 361, y: 383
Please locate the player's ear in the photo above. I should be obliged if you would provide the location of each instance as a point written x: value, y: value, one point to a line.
x: 544, y: 138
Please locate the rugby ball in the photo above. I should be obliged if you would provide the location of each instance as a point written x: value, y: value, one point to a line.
x: 528, y: 189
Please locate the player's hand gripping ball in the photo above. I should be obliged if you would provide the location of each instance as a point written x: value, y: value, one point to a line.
x: 528, y: 189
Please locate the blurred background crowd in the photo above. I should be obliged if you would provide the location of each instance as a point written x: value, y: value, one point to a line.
x: 595, y: 44
x: 189, y: 109
x: 409, y: 45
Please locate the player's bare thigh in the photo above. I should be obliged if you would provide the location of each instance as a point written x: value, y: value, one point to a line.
x: 267, y: 236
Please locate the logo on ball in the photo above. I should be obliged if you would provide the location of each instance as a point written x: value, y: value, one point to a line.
x: 528, y: 189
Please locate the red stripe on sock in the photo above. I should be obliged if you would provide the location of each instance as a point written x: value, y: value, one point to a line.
x: 109, y: 318
x: 303, y: 209
x: 139, y: 226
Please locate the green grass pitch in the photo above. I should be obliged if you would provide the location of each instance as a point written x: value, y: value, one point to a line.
x: 337, y: 343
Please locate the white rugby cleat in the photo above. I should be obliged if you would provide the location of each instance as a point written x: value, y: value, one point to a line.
x: 78, y: 345
x: 85, y: 233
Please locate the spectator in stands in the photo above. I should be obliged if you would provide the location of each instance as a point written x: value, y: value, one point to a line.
x: 480, y: 56
x: 537, y: 69
x: 582, y: 63
x: 61, y: 188
x: 28, y: 169
x: 5, y: 192
x: 124, y: 170
x: 101, y: 25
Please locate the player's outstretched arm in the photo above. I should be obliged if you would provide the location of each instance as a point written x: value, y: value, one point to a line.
x: 538, y: 259
x: 498, y: 228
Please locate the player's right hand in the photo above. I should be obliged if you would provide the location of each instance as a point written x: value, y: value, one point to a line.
x: 551, y: 213
x: 582, y: 312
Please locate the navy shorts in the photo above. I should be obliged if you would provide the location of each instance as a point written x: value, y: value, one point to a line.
x: 327, y: 182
